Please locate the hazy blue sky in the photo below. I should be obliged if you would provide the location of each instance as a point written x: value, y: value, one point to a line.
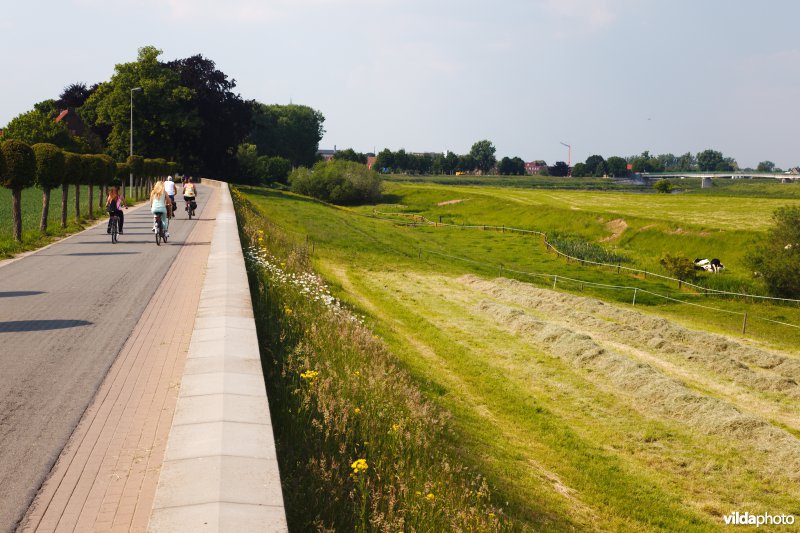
x: 613, y: 77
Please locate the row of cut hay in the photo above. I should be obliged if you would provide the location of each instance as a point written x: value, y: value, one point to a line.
x: 359, y: 446
x: 755, y: 368
x: 651, y: 391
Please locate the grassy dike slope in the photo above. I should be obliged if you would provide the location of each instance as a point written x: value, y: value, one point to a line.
x: 581, y: 414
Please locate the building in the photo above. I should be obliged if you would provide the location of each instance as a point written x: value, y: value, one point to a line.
x: 534, y: 167
x: 326, y: 154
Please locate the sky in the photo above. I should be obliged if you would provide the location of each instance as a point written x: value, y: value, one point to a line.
x: 609, y: 77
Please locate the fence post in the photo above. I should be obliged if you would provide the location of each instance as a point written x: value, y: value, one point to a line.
x: 440, y: 219
x: 635, y: 289
x: 555, y: 280
x: 617, y: 268
x: 744, y: 324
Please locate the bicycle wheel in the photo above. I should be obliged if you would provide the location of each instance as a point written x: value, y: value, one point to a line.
x: 158, y: 236
x: 114, y: 231
x: 191, y: 212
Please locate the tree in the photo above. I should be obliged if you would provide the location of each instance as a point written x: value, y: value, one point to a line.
x: 483, y: 154
x: 247, y: 160
x: 466, y: 163
x: 162, y: 117
x: 19, y: 173
x: 450, y: 163
x: 49, y: 174
x: 290, y: 131
x: 617, y: 166
x: 686, y: 162
x: 595, y: 166
x: 273, y: 169
x: 663, y: 186
x: 72, y: 176
x: 709, y: 160
x: 384, y: 162
x: 645, y: 163
x: 776, y: 259
x: 579, y: 170
x: 349, y: 154
x: 766, y: 166
x: 90, y: 168
x: 39, y: 126
x: 225, y: 119
x: 74, y: 95
x: 560, y: 169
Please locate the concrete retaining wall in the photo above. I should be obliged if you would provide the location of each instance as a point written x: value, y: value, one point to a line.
x: 220, y: 471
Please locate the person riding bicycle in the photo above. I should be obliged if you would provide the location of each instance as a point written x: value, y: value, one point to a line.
x: 169, y: 188
x: 160, y: 205
x: 114, y: 205
x: 190, y: 194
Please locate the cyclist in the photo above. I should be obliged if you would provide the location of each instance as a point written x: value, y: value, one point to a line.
x: 160, y: 205
x: 114, y: 203
x: 189, y: 193
x: 169, y: 188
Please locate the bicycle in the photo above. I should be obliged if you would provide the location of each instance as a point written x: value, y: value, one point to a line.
x: 160, y: 233
x: 114, y: 221
x: 191, y: 205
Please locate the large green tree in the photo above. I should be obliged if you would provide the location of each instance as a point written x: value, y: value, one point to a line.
x: 225, y: 119
x: 19, y: 173
x: 483, y: 153
x: 709, y: 160
x: 49, y: 174
x: 161, y: 119
x: 291, y: 131
x: 616, y: 166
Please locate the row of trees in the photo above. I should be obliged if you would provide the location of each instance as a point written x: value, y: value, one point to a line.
x: 47, y: 167
x: 187, y: 111
x: 481, y: 157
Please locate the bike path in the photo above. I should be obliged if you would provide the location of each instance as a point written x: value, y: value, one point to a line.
x: 65, y: 313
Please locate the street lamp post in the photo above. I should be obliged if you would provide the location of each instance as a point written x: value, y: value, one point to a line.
x: 131, y: 136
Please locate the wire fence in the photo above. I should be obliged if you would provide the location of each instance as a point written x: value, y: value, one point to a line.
x: 421, y: 220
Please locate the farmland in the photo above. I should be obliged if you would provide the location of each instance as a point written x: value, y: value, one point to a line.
x: 580, y: 409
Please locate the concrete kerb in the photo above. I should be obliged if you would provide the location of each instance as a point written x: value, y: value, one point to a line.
x: 220, y: 472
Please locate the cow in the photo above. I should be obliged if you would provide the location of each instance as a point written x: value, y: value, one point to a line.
x: 709, y: 266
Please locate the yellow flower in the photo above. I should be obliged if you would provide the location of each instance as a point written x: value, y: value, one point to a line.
x: 359, y: 466
x: 491, y: 515
x: 358, y: 372
x: 287, y: 310
x: 310, y: 375
x: 395, y: 427
x: 418, y: 493
x: 357, y: 410
x: 430, y: 497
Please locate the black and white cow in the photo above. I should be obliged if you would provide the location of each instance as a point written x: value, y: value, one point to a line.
x: 709, y: 266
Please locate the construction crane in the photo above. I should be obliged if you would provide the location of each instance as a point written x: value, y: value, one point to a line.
x: 569, y: 153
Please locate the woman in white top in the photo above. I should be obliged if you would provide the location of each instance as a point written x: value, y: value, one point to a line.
x: 159, y: 204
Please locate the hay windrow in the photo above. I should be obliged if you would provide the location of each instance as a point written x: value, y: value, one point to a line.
x: 650, y: 390
x: 754, y: 368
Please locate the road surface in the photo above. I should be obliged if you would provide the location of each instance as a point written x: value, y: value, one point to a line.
x: 65, y: 313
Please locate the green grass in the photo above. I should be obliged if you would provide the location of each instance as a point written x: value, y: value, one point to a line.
x: 562, y: 445
x: 31, y: 215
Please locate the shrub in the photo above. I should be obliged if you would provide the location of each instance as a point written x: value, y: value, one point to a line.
x: 49, y: 174
x: 777, y: 258
x: 663, y: 186
x: 338, y: 182
x: 583, y: 249
x: 679, y: 266
x: 19, y: 173
x: 273, y: 169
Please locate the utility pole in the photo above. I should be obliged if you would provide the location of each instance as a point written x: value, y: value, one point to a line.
x: 569, y: 153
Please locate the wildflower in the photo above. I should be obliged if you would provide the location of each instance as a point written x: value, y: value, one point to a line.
x: 491, y: 515
x: 430, y: 497
x: 357, y: 411
x: 418, y: 493
x: 287, y: 310
x: 358, y: 373
x: 310, y: 375
x: 359, y: 466
x: 395, y: 427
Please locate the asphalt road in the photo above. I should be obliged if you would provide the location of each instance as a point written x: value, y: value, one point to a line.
x: 65, y: 313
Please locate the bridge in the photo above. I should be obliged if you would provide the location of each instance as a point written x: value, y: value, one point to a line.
x: 736, y: 174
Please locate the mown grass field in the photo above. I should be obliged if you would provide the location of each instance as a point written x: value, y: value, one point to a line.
x: 581, y: 415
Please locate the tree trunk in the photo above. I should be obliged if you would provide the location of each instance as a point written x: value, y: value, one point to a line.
x: 64, y: 198
x: 45, y: 209
x: 102, y: 194
x: 90, y: 214
x: 77, y: 203
x: 16, y: 213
